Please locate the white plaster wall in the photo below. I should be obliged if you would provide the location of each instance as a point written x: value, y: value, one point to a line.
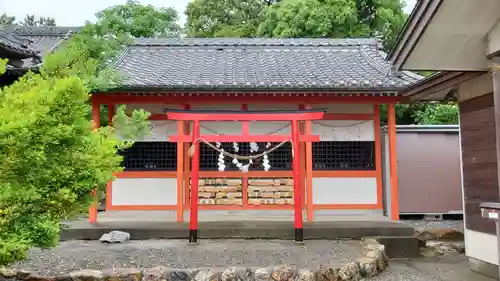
x: 151, y: 108
x: 234, y: 128
x: 344, y: 190
x: 481, y: 246
x: 271, y: 106
x: 475, y: 87
x: 329, y: 130
x: 216, y: 106
x: 344, y: 130
x: 144, y: 191
x: 346, y: 108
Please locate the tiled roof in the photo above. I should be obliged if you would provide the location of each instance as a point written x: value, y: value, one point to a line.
x: 44, y: 38
x: 259, y: 63
x: 32, y: 42
x: 15, y: 45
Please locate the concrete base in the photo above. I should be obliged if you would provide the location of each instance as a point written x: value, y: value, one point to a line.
x: 400, y: 246
x: 485, y: 268
x: 327, y: 230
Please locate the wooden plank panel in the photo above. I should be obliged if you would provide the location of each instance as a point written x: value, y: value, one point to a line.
x: 479, y: 160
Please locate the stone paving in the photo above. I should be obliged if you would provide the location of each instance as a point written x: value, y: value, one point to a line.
x: 73, y: 255
x: 420, y: 225
x: 450, y: 267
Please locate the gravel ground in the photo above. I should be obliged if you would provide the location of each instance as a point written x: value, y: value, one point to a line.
x: 73, y: 255
x: 420, y: 225
x: 452, y: 267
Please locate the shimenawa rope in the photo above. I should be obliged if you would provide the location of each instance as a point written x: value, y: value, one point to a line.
x: 235, y: 156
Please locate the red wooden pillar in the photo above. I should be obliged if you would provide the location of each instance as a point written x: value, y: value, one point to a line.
x: 298, y: 223
x: 96, y: 123
x: 195, y: 168
x: 393, y: 161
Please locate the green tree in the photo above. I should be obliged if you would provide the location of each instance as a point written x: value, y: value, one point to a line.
x: 223, y: 18
x: 437, y: 114
x: 423, y: 113
x: 51, y: 159
x: 138, y: 21
x: 5, y: 19
x: 31, y: 20
x: 334, y: 19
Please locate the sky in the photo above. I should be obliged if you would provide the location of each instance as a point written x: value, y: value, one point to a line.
x: 75, y: 13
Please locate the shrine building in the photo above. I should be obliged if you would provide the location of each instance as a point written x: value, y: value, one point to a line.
x: 304, y: 114
x: 213, y: 83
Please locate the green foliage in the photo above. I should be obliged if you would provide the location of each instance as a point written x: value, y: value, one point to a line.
x: 438, y: 114
x: 51, y: 158
x: 31, y: 20
x: 296, y: 18
x: 6, y: 19
x: 86, y: 55
x: 334, y: 19
x: 223, y: 18
x: 138, y: 20
x: 431, y: 113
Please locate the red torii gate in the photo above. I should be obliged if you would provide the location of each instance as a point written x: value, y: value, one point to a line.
x: 294, y: 116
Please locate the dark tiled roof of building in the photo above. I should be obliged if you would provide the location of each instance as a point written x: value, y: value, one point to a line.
x: 15, y: 45
x: 259, y: 63
x: 30, y: 43
x: 43, y: 38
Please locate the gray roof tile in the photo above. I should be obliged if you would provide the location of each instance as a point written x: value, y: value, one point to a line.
x: 32, y: 42
x: 259, y: 63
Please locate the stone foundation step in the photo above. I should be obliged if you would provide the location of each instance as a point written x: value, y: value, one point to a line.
x: 400, y: 246
x: 326, y: 230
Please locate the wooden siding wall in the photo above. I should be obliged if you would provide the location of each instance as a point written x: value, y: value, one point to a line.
x: 479, y: 160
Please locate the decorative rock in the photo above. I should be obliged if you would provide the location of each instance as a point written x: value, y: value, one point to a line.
x: 123, y: 274
x: 370, y: 241
x: 430, y: 252
x: 63, y: 278
x: 447, y: 246
x: 328, y: 273
x: 236, y: 274
x: 7, y: 272
x: 23, y: 274
x: 205, y: 275
x: 154, y: 274
x: 424, y: 236
x: 447, y: 234
x: 283, y: 273
x: 368, y: 267
x: 178, y: 275
x: 87, y: 275
x: 228, y: 274
x: 375, y: 247
x: 115, y: 236
x: 244, y: 274
x: 39, y: 278
x: 262, y: 274
x: 380, y: 257
x: 349, y: 272
x: 305, y: 275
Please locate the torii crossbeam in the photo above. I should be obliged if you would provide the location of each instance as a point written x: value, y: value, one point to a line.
x: 294, y: 116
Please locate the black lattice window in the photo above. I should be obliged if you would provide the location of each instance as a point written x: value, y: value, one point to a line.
x: 150, y: 156
x: 280, y: 159
x: 343, y: 155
